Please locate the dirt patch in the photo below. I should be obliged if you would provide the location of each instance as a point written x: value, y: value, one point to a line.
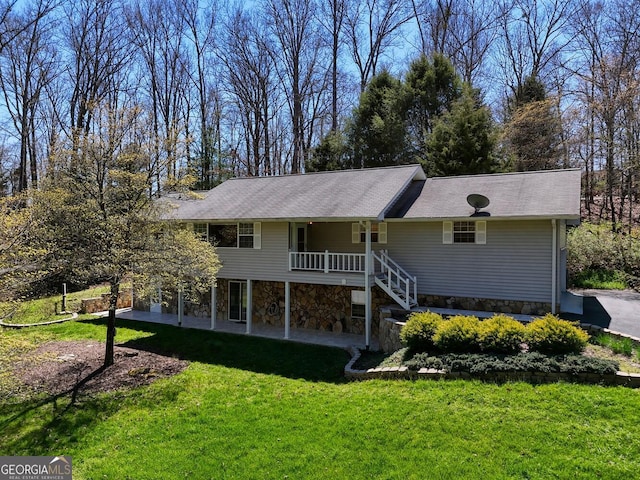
x: 56, y: 367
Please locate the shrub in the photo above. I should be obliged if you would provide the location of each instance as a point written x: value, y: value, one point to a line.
x: 501, y: 334
x: 423, y: 360
x: 419, y: 330
x: 523, y: 362
x: 552, y: 335
x: 458, y: 334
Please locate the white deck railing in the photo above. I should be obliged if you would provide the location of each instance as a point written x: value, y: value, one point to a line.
x: 327, y: 262
x: 395, y: 280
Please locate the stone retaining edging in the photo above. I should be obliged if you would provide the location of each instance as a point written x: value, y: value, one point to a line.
x: 631, y: 380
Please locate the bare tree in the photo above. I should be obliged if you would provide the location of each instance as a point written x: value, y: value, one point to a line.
x: 157, y: 30
x: 534, y: 36
x: 464, y: 31
x: 26, y: 66
x: 373, y: 28
x: 608, y: 72
x: 98, y: 51
x: 335, y: 13
x: 249, y: 73
x: 201, y: 32
x: 296, y: 56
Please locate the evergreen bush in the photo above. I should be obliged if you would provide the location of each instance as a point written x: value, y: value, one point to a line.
x: 475, y: 363
x: 458, y: 334
x: 551, y: 335
x: 501, y: 334
x: 418, y: 332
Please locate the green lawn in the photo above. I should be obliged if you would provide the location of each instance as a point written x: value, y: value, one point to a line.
x: 249, y: 408
x: 47, y: 309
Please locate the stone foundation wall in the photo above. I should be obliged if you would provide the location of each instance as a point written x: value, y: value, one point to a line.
x: 318, y: 307
x: 486, y: 305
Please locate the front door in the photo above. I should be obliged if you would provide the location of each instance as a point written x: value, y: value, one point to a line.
x: 298, y: 237
x: 238, y: 301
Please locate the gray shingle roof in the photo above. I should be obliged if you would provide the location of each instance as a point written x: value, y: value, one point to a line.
x: 543, y: 194
x: 401, y: 192
x: 345, y: 194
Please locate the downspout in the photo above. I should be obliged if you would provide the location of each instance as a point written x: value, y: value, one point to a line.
x: 367, y: 287
x: 554, y: 266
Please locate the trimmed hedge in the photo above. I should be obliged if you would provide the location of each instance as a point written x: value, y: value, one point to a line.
x: 553, y: 336
x: 418, y: 332
x: 522, y: 362
x: 501, y: 334
x: 458, y: 334
x: 427, y: 331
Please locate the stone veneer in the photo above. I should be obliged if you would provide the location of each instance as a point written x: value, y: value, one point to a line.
x: 486, y: 305
x: 318, y: 307
x: 101, y: 303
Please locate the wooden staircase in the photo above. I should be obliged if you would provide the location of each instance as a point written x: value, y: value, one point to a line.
x: 395, y: 281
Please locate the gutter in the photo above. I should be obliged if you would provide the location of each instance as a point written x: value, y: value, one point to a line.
x: 554, y: 265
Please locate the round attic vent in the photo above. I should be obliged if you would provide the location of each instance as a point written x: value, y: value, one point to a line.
x: 477, y: 201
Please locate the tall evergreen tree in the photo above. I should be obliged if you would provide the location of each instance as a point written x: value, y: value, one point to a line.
x: 462, y: 141
x: 533, y: 130
x: 377, y: 131
x: 450, y: 131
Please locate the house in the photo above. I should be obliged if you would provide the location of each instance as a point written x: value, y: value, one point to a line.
x: 326, y: 250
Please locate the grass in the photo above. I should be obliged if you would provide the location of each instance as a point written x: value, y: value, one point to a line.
x: 250, y: 408
x: 48, y: 308
x: 600, y: 279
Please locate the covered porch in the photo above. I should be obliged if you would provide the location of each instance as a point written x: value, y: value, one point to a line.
x: 300, y: 335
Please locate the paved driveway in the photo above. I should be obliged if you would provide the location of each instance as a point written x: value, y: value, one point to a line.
x: 617, y: 310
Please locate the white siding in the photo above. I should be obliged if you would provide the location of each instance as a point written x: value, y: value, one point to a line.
x: 271, y: 262
x: 515, y: 263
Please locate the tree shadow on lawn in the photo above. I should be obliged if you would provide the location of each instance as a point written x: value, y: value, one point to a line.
x: 261, y: 355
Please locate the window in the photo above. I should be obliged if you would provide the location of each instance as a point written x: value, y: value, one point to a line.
x: 357, y: 304
x: 200, y: 229
x: 245, y: 235
x: 223, y: 235
x: 464, y: 232
x: 234, y: 235
x: 378, y: 233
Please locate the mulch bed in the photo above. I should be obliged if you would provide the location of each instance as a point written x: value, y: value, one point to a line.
x: 57, y: 367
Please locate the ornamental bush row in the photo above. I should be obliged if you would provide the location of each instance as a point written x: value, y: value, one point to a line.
x: 522, y: 362
x: 428, y: 331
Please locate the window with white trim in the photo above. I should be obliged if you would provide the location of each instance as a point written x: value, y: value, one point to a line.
x: 201, y: 229
x: 230, y: 235
x: 464, y: 232
x: 378, y: 233
x: 245, y: 235
x: 358, y: 299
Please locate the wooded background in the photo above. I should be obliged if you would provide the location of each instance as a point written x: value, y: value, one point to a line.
x: 215, y: 89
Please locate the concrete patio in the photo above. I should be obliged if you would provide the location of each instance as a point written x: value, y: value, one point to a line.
x: 300, y: 335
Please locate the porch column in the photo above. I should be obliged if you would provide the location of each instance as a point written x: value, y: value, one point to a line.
x: 287, y: 309
x: 249, y: 306
x: 367, y: 286
x: 214, y: 306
